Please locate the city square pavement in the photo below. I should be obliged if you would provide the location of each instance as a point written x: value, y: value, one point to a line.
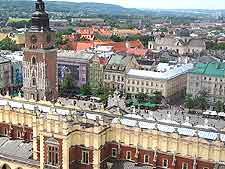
x: 179, y: 116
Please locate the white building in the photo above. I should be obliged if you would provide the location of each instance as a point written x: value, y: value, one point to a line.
x: 169, y: 80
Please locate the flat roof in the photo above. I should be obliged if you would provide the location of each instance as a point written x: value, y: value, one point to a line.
x: 169, y: 74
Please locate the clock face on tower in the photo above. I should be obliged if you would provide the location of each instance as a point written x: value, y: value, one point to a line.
x: 33, y: 39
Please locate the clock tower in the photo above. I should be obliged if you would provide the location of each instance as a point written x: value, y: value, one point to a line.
x: 39, y: 62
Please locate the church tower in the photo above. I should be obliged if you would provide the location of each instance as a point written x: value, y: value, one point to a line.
x: 39, y: 62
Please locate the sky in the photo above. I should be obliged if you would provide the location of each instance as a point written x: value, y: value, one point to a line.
x: 163, y: 4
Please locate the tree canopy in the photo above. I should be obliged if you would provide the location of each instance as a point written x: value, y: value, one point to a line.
x: 8, y: 44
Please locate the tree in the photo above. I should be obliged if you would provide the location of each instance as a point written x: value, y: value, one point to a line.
x: 202, y: 100
x: 116, y: 38
x: 142, y: 97
x: 189, y: 102
x: 86, y: 89
x: 67, y: 82
x: 157, y: 97
x: 8, y: 44
x: 219, y: 106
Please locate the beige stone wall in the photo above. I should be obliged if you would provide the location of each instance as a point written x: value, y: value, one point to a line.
x: 215, y: 86
x: 15, y: 165
x: 171, y: 87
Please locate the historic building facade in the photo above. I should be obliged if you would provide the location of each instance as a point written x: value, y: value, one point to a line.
x: 116, y: 69
x: 171, y: 82
x: 75, y: 65
x: 209, y: 78
x: 54, y: 136
x: 5, y: 72
x: 182, y: 43
x: 39, y: 62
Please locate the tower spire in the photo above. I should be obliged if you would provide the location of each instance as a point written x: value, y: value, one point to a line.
x: 40, y: 20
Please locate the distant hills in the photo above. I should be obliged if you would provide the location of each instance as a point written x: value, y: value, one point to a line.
x: 93, y: 9
x: 82, y: 8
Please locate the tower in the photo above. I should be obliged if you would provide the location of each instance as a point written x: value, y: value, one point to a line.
x: 39, y: 62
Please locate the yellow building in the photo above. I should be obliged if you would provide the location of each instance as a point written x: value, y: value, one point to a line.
x: 19, y: 38
x: 45, y: 135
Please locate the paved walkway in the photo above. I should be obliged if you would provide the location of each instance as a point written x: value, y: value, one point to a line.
x: 180, y: 116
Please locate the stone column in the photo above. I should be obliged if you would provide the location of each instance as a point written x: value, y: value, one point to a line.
x: 34, y: 124
x: 42, y: 153
x: 65, y: 153
x: 96, y: 159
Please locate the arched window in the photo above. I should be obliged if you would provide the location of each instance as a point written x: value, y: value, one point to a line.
x: 6, y: 166
x: 33, y: 60
x: 34, y: 82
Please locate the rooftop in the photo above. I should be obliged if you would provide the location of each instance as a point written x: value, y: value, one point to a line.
x: 210, y: 69
x: 164, y: 72
x: 118, y: 59
x: 166, y: 125
x: 74, y: 55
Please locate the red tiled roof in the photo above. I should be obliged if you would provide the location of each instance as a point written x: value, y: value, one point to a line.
x: 103, y: 60
x: 85, y: 31
x: 123, y: 46
x: 78, y: 46
x: 137, y: 51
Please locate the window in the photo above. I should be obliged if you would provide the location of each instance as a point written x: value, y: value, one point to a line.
x: 19, y: 134
x: 184, y: 165
x: 114, y: 152
x: 128, y: 155
x: 33, y: 60
x: 5, y: 131
x: 53, y: 155
x: 146, y: 83
x: 137, y: 89
x: 33, y: 81
x: 85, y: 157
x: 165, y: 163
x: 146, y: 159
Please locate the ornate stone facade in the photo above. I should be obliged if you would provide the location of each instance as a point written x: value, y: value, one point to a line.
x: 67, y: 137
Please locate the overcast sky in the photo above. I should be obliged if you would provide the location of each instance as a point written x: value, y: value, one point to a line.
x: 163, y: 4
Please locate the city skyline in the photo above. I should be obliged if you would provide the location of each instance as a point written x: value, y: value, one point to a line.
x: 161, y: 4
